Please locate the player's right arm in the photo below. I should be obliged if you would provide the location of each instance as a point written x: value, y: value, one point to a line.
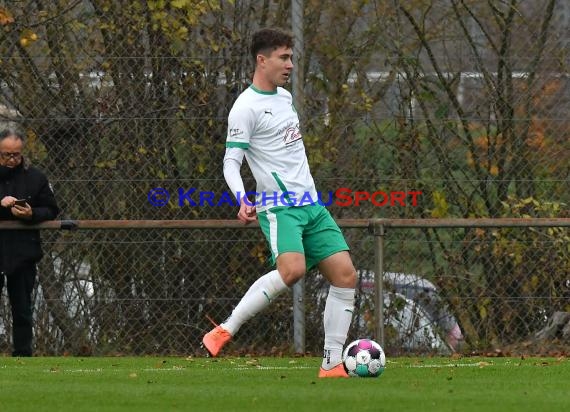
x: 241, y: 124
x: 232, y: 165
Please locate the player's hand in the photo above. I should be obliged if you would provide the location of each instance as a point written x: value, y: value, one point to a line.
x: 247, y: 213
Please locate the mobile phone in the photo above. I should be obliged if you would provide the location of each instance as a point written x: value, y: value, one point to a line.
x: 20, y: 202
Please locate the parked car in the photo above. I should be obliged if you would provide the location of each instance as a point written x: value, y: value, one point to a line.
x: 416, y: 318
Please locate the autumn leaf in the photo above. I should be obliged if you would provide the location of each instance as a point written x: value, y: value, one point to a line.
x: 179, y: 4
x: 5, y: 17
x: 441, y: 207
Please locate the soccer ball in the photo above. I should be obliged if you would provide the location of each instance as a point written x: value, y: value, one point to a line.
x: 364, y: 358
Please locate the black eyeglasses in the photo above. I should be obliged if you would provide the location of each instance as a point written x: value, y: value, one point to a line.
x: 8, y: 156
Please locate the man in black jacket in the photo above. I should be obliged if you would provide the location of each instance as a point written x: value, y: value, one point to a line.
x: 25, y: 195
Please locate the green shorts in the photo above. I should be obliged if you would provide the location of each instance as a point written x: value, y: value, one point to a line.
x: 309, y: 230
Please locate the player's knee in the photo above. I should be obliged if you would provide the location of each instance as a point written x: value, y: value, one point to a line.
x: 344, y: 278
x: 292, y: 267
x: 292, y: 274
x: 349, y: 278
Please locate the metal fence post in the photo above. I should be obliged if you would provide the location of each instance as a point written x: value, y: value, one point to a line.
x: 297, y: 92
x: 379, y: 232
x: 299, y: 316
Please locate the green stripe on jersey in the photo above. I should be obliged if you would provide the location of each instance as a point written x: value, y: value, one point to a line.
x: 238, y: 145
x: 283, y: 189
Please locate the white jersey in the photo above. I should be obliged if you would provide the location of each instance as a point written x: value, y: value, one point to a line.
x: 266, y: 126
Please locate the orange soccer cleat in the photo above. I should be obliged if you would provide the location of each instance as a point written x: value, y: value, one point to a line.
x: 215, y: 340
x: 337, y: 372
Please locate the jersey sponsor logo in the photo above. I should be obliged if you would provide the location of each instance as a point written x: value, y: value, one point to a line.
x: 235, y: 132
x: 292, y: 134
x: 268, y: 111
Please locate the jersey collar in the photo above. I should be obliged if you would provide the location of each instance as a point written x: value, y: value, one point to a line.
x: 255, y: 89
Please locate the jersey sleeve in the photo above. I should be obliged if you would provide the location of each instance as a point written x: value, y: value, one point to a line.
x: 232, y: 174
x: 241, y: 124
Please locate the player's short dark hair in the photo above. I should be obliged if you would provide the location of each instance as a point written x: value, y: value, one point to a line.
x: 266, y: 40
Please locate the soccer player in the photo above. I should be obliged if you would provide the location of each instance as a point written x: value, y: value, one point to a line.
x: 263, y: 127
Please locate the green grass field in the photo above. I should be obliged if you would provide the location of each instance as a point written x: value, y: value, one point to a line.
x: 281, y: 384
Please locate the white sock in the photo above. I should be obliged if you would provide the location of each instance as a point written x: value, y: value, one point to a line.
x: 257, y: 298
x: 337, y: 319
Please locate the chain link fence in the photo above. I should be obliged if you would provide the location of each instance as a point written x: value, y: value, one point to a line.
x: 463, y: 102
